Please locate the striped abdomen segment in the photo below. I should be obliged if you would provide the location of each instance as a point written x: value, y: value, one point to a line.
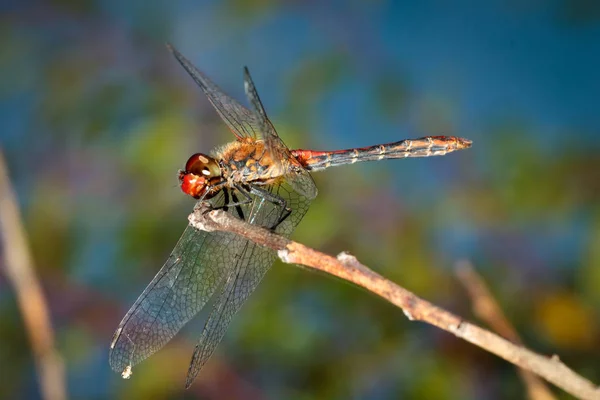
x: 422, y: 147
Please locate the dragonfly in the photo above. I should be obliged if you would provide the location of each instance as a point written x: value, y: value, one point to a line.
x: 258, y: 179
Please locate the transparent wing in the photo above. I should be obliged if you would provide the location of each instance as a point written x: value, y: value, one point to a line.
x: 300, y: 180
x: 201, y: 262
x: 254, y: 262
x: 196, y: 267
x: 272, y: 141
x: 238, y: 118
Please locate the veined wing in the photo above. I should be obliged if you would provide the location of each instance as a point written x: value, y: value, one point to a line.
x: 196, y: 267
x: 273, y: 142
x: 200, y: 262
x: 253, y: 263
x: 238, y: 118
x: 297, y: 176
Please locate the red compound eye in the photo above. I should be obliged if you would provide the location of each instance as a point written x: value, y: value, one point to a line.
x: 193, y: 185
x: 199, y: 170
x: 202, y: 165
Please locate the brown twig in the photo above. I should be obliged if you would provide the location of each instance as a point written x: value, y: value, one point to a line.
x: 488, y: 310
x: 348, y: 268
x: 30, y: 298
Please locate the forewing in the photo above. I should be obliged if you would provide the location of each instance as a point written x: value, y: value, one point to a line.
x: 189, y: 277
x: 273, y: 143
x: 252, y: 265
x: 297, y: 176
x: 241, y: 121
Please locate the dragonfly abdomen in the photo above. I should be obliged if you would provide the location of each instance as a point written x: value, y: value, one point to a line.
x: 422, y: 147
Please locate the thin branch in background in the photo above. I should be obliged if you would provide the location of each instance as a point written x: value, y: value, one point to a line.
x: 30, y: 298
x: 488, y: 310
x: 348, y: 268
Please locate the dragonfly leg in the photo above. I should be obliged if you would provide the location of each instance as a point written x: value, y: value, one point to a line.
x: 213, y: 188
x: 235, y: 201
x: 272, y: 198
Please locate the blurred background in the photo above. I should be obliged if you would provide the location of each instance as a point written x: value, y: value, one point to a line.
x: 97, y: 116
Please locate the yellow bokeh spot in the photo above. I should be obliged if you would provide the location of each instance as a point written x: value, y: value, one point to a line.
x: 567, y: 321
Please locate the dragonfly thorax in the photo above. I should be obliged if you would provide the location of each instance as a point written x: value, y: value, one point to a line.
x: 200, y: 175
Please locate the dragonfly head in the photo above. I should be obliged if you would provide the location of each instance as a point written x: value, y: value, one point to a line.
x: 200, y: 174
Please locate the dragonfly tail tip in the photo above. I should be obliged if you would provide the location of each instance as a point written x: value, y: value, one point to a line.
x: 464, y: 143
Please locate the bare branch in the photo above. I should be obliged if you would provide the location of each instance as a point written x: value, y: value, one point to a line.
x: 21, y: 274
x: 488, y: 310
x: 348, y: 268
